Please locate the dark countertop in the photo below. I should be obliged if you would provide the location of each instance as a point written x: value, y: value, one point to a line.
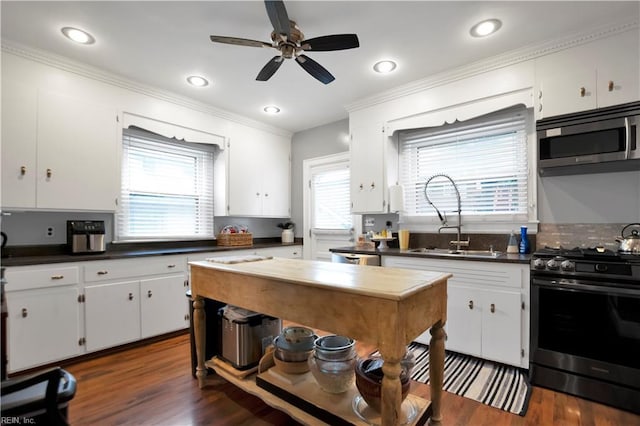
x: 37, y: 255
x: 502, y: 258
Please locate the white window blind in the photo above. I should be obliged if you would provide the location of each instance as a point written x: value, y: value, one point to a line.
x: 486, y: 157
x: 331, y: 200
x: 167, y: 189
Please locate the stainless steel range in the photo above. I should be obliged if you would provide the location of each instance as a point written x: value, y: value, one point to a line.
x: 585, y: 324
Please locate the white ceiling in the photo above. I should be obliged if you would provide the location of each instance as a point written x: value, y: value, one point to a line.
x: 160, y: 43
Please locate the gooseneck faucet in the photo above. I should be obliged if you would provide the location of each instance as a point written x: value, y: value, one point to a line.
x: 443, y: 216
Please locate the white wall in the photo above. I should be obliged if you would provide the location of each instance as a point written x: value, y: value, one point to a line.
x: 590, y: 198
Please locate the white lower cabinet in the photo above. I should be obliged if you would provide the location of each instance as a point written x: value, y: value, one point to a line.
x: 130, y: 299
x: 59, y: 311
x: 44, y: 326
x: 112, y: 314
x: 162, y: 305
x: 44, y: 314
x: 484, y: 323
x: 487, y: 307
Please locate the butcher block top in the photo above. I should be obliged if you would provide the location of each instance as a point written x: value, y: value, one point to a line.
x: 385, y: 283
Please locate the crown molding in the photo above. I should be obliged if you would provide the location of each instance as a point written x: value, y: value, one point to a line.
x: 97, y: 74
x: 492, y: 63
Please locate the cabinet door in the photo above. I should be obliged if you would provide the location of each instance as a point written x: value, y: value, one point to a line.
x: 464, y: 320
x: 43, y: 326
x: 77, y: 154
x: 112, y: 314
x: 163, y: 305
x: 245, y: 176
x: 367, y: 170
x: 19, y: 111
x: 259, y: 173
x: 276, y: 177
x: 565, y: 92
x: 501, y: 326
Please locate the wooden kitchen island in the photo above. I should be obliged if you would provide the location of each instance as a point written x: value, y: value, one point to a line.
x: 386, y: 307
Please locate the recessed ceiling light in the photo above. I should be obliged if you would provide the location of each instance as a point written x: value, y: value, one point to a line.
x: 384, y: 67
x: 271, y: 109
x: 77, y: 35
x: 486, y: 27
x: 196, y: 80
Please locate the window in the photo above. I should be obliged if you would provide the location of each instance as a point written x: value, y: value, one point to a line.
x: 331, y: 200
x: 167, y: 188
x: 487, y: 159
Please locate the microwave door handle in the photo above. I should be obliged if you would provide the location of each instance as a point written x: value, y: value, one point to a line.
x: 627, y: 137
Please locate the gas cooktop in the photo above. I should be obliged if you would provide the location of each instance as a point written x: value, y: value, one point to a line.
x: 586, y: 262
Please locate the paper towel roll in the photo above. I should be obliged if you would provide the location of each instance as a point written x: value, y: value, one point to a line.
x: 396, y: 198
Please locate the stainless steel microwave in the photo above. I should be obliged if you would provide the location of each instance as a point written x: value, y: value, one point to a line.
x: 595, y: 141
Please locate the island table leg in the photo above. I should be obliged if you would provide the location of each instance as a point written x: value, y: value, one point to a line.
x: 390, y: 392
x: 436, y: 371
x: 199, y: 331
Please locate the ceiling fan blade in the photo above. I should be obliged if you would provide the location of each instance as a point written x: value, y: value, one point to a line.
x: 331, y: 42
x: 270, y: 68
x: 239, y: 41
x: 315, y: 69
x: 278, y: 17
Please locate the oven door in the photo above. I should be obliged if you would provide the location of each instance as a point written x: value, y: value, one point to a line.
x: 586, y: 328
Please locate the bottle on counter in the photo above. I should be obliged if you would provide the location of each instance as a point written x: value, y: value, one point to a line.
x: 512, y: 245
x: 524, y: 241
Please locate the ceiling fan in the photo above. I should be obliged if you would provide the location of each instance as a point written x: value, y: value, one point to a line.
x: 289, y: 40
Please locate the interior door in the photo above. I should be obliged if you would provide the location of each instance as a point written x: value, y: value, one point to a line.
x: 328, y: 221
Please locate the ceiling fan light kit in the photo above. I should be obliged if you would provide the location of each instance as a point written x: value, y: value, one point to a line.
x: 289, y: 40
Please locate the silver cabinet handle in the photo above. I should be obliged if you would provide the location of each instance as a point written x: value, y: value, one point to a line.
x: 57, y: 277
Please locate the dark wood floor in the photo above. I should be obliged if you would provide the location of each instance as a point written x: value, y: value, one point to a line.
x: 152, y: 385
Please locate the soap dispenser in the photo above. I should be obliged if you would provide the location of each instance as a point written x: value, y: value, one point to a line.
x: 512, y: 245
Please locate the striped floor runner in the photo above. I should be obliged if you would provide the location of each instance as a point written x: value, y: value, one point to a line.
x: 498, y: 385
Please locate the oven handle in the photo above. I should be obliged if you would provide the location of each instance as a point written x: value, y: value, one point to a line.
x: 569, y: 285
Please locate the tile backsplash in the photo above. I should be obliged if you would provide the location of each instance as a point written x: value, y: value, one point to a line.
x: 569, y: 235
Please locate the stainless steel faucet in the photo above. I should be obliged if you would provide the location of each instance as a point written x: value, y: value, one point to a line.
x: 443, y: 216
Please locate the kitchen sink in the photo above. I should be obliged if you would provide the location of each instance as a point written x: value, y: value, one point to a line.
x: 462, y: 253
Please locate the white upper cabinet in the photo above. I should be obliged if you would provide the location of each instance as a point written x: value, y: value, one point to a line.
x: 19, y: 112
x: 58, y: 152
x: 77, y: 154
x: 259, y: 173
x: 594, y: 75
x: 368, y: 183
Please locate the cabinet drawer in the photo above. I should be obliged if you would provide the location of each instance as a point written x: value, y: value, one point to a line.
x: 29, y: 278
x: 130, y: 268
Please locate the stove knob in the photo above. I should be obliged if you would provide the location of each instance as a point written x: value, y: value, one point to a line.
x: 567, y: 265
x: 539, y: 263
x: 552, y: 264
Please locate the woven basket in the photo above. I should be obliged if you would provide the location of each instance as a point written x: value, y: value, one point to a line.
x: 229, y: 240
